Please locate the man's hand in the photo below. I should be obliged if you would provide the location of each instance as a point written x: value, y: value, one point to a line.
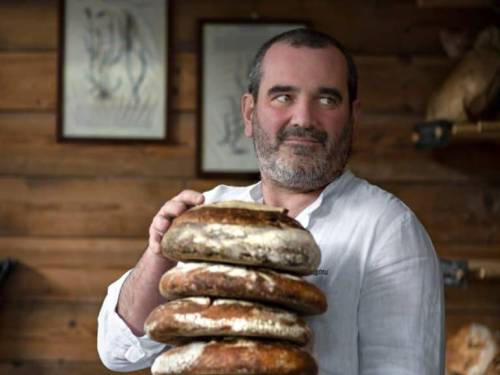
x: 170, y: 210
x: 139, y: 293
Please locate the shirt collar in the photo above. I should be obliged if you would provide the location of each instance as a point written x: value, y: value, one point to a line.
x: 254, y: 194
x: 306, y: 214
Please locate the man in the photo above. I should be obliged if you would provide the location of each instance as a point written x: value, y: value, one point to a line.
x: 379, y: 270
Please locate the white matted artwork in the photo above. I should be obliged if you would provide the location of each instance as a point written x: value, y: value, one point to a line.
x: 227, y: 51
x: 113, y: 70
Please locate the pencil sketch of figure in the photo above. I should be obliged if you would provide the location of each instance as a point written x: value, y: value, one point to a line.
x: 115, y: 69
x: 116, y: 52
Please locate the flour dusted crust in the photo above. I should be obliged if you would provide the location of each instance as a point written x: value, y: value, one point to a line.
x: 205, y: 317
x: 242, y: 233
x: 471, y: 350
x: 241, y: 356
x: 228, y: 281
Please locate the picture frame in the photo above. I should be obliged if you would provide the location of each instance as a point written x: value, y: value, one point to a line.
x: 226, y: 50
x: 113, y: 71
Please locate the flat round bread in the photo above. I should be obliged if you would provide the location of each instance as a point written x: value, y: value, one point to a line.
x: 242, y: 233
x: 241, y: 356
x: 471, y: 350
x: 228, y: 281
x: 204, y: 317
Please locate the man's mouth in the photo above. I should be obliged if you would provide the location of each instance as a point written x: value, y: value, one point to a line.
x: 301, y: 141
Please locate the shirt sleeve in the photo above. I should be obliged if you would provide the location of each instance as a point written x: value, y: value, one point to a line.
x: 401, y: 308
x: 118, y: 348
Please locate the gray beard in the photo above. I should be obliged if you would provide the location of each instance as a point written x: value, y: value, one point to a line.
x: 303, y: 170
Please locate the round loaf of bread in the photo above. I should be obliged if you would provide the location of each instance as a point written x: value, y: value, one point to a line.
x: 471, y: 350
x: 228, y: 281
x: 229, y: 357
x: 203, y: 317
x: 242, y: 233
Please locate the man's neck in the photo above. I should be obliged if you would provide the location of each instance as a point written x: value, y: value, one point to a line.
x: 293, y: 200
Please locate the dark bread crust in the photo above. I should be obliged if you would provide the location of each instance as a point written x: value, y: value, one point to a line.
x: 250, y: 357
x: 210, y: 214
x: 212, y: 280
x: 203, y: 317
x: 255, y: 236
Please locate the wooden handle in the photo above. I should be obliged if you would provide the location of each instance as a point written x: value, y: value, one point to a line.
x: 485, y: 269
x: 478, y: 127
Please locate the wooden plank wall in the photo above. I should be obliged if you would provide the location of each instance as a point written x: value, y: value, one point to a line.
x: 76, y: 215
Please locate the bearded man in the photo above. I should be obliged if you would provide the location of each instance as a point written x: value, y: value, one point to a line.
x: 379, y: 270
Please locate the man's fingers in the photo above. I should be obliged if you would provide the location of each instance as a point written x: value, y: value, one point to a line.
x: 189, y: 197
x: 160, y: 223
x: 181, y: 203
x: 154, y: 240
x: 172, y: 209
x: 169, y: 211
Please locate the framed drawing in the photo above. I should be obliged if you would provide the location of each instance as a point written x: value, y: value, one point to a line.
x: 227, y: 49
x: 113, y: 70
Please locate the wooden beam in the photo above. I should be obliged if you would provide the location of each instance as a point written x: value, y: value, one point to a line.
x: 53, y: 367
x: 455, y: 3
x: 383, y: 151
x: 387, y: 83
x: 66, y: 332
x: 28, y: 147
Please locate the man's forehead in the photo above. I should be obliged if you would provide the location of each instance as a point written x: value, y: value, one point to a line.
x: 285, y: 59
x: 282, y: 51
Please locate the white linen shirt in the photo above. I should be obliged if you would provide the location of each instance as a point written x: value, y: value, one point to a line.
x: 378, y: 270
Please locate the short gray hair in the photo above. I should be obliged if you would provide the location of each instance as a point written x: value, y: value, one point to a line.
x: 303, y: 37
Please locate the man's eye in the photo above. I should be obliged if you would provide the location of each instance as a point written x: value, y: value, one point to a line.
x: 328, y: 101
x: 282, y: 99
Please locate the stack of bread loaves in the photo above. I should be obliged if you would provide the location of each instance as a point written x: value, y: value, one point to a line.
x: 233, y: 306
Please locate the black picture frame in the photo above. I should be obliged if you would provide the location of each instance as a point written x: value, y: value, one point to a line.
x: 226, y: 49
x: 114, y: 71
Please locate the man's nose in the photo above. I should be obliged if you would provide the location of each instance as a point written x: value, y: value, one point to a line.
x: 303, y: 114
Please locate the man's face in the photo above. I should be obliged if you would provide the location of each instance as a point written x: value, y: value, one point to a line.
x: 301, y: 123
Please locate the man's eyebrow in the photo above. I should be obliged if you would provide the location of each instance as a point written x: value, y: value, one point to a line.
x: 281, y: 88
x: 332, y: 91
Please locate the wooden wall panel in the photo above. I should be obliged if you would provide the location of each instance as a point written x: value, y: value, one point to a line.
x: 27, y: 148
x: 477, y: 295
x: 380, y: 27
x: 100, y: 207
x: 454, y: 214
x: 81, y: 269
x: 454, y: 3
x: 407, y: 83
x: 416, y: 29
x: 457, y: 319
x: 55, y: 284
x: 28, y: 25
x: 75, y: 216
x: 37, y: 90
x: 451, y: 214
x: 21, y: 367
x: 66, y: 332
x: 382, y: 152
x: 49, y: 331
x: 468, y: 250
x: 77, y: 252
x: 28, y: 81
x: 81, y: 207
x: 89, y: 284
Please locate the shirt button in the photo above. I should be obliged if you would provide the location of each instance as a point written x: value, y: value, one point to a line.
x: 134, y: 354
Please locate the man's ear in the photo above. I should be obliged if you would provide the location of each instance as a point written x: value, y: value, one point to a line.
x: 247, y: 112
